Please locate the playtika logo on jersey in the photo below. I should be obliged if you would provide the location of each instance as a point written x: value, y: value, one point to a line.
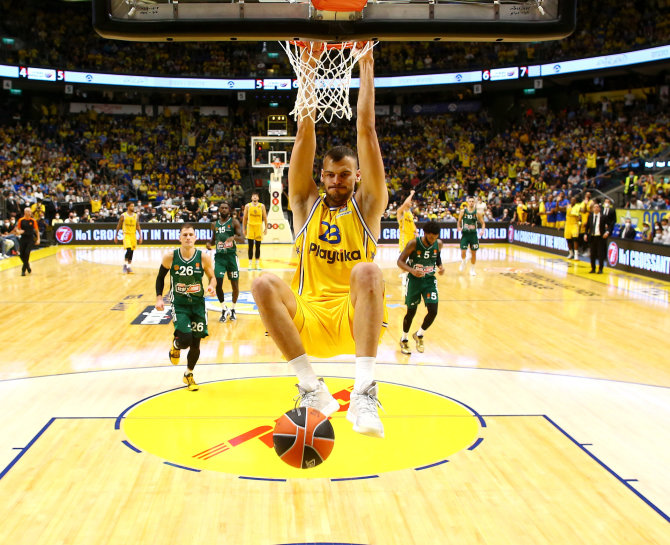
x: 331, y: 256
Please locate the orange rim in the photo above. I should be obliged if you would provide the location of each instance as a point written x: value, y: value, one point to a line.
x: 342, y: 45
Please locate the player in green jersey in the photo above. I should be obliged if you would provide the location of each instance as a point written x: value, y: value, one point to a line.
x: 467, y: 225
x: 420, y: 258
x: 225, y: 233
x: 186, y: 266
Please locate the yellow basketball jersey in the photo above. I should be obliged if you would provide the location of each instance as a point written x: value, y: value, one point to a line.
x: 129, y: 224
x: 330, y: 244
x: 255, y: 214
x: 407, y: 225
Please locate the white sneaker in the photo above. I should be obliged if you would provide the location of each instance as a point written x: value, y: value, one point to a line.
x: 125, y: 269
x: 473, y: 272
x: 319, y: 399
x: 570, y: 254
x: 461, y: 267
x: 363, y: 414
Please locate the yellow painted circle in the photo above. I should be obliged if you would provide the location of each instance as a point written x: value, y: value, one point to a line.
x: 227, y: 426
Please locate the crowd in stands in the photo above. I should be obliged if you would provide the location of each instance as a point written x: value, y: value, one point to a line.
x: 58, y: 34
x: 177, y: 166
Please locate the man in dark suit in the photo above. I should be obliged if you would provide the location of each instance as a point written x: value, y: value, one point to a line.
x: 628, y: 230
x: 597, y: 232
x: 609, y: 212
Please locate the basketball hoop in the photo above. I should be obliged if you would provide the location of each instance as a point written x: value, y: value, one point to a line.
x: 278, y: 169
x: 324, y: 77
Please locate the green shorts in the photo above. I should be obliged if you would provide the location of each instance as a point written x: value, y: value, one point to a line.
x: 469, y: 238
x: 417, y: 288
x: 226, y: 263
x: 190, y: 317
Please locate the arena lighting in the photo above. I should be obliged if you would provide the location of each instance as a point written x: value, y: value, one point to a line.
x: 590, y: 64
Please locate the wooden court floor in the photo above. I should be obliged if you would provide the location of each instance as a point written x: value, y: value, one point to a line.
x: 539, y: 413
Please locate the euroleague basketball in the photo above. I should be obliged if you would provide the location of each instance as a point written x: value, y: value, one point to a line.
x: 303, y: 437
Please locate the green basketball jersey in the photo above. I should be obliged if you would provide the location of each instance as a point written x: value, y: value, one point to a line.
x: 424, y: 259
x: 469, y: 220
x: 186, y: 277
x: 224, y: 233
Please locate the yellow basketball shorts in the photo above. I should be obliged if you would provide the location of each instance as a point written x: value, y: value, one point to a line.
x: 255, y: 232
x: 326, y: 325
x: 130, y: 242
x: 571, y: 231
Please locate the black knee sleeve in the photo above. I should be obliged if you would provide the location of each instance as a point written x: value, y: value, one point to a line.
x: 407, y: 321
x: 219, y: 289
x: 251, y: 249
x: 258, y: 249
x: 193, y: 353
x: 129, y: 254
x: 184, y: 340
x: 430, y: 317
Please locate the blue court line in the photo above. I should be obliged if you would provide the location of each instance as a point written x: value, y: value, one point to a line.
x: 261, y: 479
x: 476, y: 444
x: 355, y: 478
x: 131, y: 447
x: 610, y: 470
x: 586, y: 444
x: 182, y: 467
x: 18, y: 448
x: 631, y: 480
x: 430, y: 465
x: 30, y: 444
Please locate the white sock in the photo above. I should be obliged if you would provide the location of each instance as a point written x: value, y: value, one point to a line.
x: 420, y: 332
x: 303, y: 370
x: 404, y: 336
x: 232, y: 306
x: 365, y: 372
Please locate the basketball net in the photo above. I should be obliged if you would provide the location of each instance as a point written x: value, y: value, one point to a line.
x: 324, y: 77
x: 278, y: 169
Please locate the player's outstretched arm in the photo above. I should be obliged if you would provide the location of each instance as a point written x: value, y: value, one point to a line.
x: 302, y: 191
x: 166, y: 264
x: 405, y: 205
x: 372, y: 195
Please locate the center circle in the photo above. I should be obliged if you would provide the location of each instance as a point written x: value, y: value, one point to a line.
x: 227, y: 426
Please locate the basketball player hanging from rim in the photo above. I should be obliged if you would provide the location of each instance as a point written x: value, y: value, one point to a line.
x: 335, y: 304
x: 255, y: 226
x: 225, y: 232
x: 186, y: 266
x: 419, y: 259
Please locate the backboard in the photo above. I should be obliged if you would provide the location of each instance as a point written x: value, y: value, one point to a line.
x: 386, y: 20
x: 265, y: 149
